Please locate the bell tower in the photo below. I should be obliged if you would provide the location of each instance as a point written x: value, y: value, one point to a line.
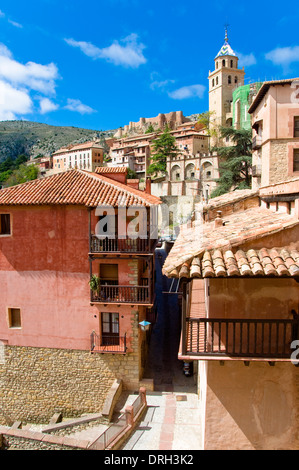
x: 222, y: 82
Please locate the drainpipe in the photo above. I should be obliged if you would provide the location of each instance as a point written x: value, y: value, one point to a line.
x: 184, y: 314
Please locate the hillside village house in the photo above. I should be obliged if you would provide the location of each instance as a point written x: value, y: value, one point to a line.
x: 239, y: 275
x: 86, y: 156
x: 238, y: 266
x: 132, y: 152
x: 275, y: 121
x: 65, y: 340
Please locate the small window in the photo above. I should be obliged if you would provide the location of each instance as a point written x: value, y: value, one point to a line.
x: 296, y: 126
x: 236, y: 79
x: 232, y: 63
x: 216, y: 80
x: 229, y: 79
x: 213, y: 82
x: 296, y: 160
x: 5, y: 228
x: 14, y: 318
x: 223, y: 63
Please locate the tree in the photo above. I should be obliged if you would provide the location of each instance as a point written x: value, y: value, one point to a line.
x: 131, y: 174
x: 163, y: 147
x: 150, y: 129
x: 235, y: 161
x: 23, y: 174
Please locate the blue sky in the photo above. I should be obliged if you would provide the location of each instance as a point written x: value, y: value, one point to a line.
x: 100, y: 64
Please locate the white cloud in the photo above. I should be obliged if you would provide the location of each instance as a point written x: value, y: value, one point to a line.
x: 185, y: 92
x: 245, y: 60
x: 283, y: 56
x: 160, y: 85
x: 32, y: 75
x: 14, y: 23
x: 18, y: 80
x: 4, y: 51
x: 128, y: 52
x: 46, y: 106
x: 13, y: 102
x: 77, y: 106
x: 86, y: 47
x: 157, y: 83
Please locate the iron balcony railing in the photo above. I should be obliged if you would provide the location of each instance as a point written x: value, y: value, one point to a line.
x: 117, y: 245
x: 122, y: 294
x: 256, y: 338
x: 108, y: 343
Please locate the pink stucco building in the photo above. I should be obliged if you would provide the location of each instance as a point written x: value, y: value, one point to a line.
x: 275, y: 121
x: 50, y: 247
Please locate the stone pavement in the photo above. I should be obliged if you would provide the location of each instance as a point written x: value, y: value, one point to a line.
x: 172, y: 422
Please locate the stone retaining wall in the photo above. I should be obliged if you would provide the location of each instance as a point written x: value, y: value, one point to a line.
x: 35, y: 383
x: 18, y: 439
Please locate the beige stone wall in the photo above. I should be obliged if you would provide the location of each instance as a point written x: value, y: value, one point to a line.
x: 37, y: 382
x: 278, y: 168
x: 253, y: 407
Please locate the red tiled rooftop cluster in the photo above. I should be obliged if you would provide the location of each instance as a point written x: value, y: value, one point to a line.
x: 76, y: 187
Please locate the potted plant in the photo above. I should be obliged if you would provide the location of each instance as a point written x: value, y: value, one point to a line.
x: 94, y: 284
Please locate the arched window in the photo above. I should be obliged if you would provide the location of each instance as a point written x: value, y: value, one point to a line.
x: 223, y: 63
x: 175, y: 173
x: 216, y: 65
x: 213, y: 82
x: 229, y: 79
x: 236, y: 79
x: 232, y: 63
x: 190, y: 171
x: 216, y: 80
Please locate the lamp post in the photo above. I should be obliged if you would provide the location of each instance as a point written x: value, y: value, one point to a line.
x: 145, y: 325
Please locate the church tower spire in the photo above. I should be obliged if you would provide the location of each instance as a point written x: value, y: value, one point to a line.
x: 223, y: 80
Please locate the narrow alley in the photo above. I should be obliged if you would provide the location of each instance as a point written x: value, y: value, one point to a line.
x: 172, y: 421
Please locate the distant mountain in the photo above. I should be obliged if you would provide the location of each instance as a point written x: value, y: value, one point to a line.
x: 33, y: 139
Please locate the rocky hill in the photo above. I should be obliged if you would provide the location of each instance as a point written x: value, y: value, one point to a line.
x: 33, y: 139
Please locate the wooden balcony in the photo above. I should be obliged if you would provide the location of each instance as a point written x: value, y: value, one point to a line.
x: 127, y: 245
x: 240, y: 338
x: 108, y: 344
x: 134, y: 295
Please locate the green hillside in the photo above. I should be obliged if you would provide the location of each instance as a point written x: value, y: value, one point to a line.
x: 32, y: 138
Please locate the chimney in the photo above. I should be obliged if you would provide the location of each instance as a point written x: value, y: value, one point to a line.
x: 148, y: 185
x: 218, y: 221
x: 133, y: 183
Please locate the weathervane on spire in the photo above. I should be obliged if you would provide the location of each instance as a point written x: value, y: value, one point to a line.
x: 226, y: 26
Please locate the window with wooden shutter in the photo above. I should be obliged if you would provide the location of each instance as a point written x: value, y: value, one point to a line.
x: 296, y: 160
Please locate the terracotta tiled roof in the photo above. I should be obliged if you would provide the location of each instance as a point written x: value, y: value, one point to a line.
x: 229, y: 198
x: 265, y: 87
x: 77, y: 187
x: 282, y: 262
x: 72, y: 148
x: 204, y: 250
x: 102, y: 170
